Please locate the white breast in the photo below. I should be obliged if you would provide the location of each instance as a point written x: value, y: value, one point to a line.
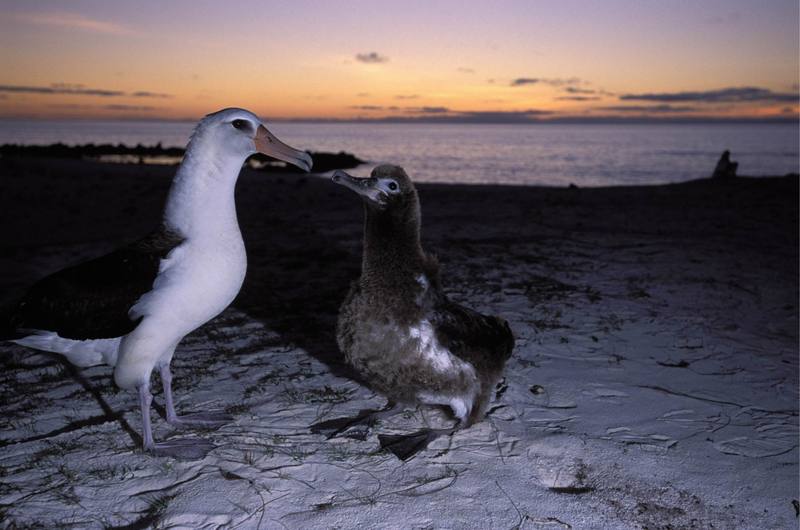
x: 196, y: 281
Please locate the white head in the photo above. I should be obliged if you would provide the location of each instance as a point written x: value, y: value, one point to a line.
x: 202, y: 195
x: 238, y: 133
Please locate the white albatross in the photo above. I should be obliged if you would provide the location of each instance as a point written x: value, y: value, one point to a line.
x: 130, y: 308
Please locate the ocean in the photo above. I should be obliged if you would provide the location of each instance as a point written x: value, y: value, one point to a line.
x: 532, y: 154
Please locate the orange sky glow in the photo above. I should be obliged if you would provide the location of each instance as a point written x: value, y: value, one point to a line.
x: 480, y: 61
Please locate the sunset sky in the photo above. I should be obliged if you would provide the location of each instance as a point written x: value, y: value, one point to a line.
x: 445, y: 60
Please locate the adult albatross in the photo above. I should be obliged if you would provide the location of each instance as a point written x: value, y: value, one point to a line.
x: 130, y: 308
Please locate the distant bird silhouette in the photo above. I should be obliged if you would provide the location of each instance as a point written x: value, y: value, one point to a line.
x: 725, y: 168
x: 130, y: 308
x: 400, y: 331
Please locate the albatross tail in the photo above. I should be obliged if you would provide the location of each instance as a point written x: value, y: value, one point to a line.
x: 81, y: 353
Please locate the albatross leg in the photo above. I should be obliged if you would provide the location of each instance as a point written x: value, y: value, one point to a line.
x: 209, y: 419
x: 188, y: 449
x: 145, y: 399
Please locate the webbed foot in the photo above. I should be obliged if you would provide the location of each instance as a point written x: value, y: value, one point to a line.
x: 337, y: 426
x: 364, y: 420
x: 404, y: 446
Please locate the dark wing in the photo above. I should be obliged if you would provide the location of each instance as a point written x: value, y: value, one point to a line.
x: 484, y: 341
x: 91, y: 300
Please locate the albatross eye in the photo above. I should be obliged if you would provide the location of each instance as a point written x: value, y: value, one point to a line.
x: 393, y: 186
x: 239, y: 124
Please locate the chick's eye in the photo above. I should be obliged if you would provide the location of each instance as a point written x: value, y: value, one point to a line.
x: 239, y: 124
x: 392, y: 186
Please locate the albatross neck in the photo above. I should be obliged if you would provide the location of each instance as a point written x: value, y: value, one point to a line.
x: 201, y: 200
x: 391, y: 243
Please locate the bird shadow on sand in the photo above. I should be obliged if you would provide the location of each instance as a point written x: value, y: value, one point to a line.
x: 297, y: 275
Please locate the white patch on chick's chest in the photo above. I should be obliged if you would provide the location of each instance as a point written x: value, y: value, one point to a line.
x: 433, y: 353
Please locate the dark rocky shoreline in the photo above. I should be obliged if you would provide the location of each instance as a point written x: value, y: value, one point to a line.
x: 157, y: 154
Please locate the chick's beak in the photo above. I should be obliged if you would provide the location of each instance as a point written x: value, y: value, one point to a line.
x: 365, y: 187
x: 268, y: 144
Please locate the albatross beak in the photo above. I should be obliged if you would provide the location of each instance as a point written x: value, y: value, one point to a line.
x: 268, y: 144
x: 364, y: 187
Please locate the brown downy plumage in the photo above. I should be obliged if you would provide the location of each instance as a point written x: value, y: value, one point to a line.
x: 397, y: 327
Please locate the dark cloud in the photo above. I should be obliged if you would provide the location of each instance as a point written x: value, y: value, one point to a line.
x: 67, y: 86
x: 578, y: 90
x: 499, y: 116
x: 450, y: 116
x: 409, y: 96
x: 146, y: 94
x: 129, y: 108
x: 117, y: 107
x: 371, y: 58
x: 578, y: 98
x: 69, y: 106
x: 614, y: 114
x: 427, y: 110
x: 648, y: 108
x: 77, y: 90
x: 522, y: 81
x: 733, y: 94
x: 60, y: 88
x: 431, y: 114
x: 410, y: 110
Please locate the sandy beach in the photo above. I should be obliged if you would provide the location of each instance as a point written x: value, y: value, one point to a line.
x: 654, y: 383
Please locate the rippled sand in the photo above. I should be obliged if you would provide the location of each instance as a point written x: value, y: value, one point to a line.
x: 654, y: 385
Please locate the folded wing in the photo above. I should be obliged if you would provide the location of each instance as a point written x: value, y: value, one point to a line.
x: 91, y: 300
x: 484, y: 341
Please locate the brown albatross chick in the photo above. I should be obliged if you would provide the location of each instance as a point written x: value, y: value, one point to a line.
x: 400, y: 331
